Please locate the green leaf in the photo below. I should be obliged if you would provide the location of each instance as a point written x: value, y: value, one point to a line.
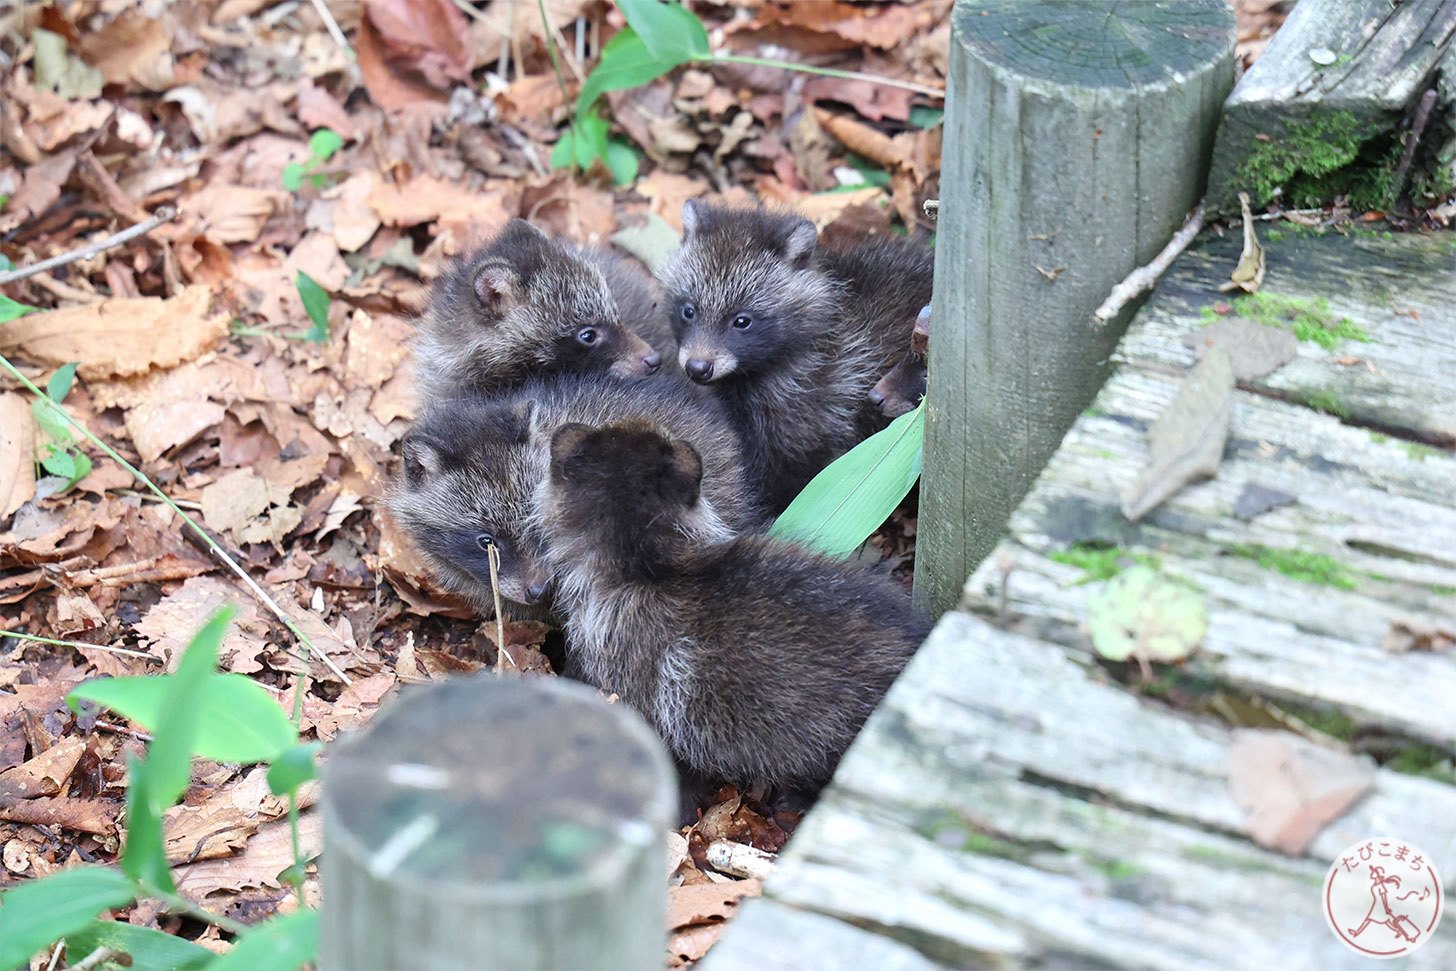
x: 61, y: 463
x: 148, y: 949
x: 60, y: 383
x: 924, y: 116
x: 1139, y: 614
x: 591, y: 139
x: 82, y: 469
x: 845, y: 503
x: 621, y: 159
x: 10, y: 309
x: 316, y: 302
x: 169, y: 757
x: 240, y: 722
x: 625, y: 63
x: 293, y: 174
x: 144, y: 857
x: 324, y: 143
x: 671, y: 32
x: 873, y: 174
x: 51, y: 421
x: 37, y: 913
x: 563, y: 156
x: 293, y: 768
x: 278, y: 944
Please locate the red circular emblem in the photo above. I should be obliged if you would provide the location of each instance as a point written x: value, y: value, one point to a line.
x: 1382, y: 897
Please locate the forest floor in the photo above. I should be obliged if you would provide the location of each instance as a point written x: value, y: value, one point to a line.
x: 197, y: 361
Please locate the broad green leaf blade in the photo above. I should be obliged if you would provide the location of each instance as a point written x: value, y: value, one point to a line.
x: 60, y: 383
x: 278, y: 944
x: 845, y: 503
x: 62, y: 464
x: 10, y: 309
x: 293, y: 174
x: 563, y: 156
x: 148, y: 949
x: 621, y: 161
x: 625, y: 63
x: 144, y: 857
x: 293, y: 768
x: 316, y: 302
x: 324, y: 143
x: 670, y: 31
x: 51, y: 421
x: 240, y: 722
x: 40, y: 912
x: 169, y: 757
x: 591, y: 139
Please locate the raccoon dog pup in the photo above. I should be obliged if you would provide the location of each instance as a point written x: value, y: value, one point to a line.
x: 472, y: 467
x: 791, y: 335
x: 526, y: 304
x: 899, y: 391
x: 754, y: 660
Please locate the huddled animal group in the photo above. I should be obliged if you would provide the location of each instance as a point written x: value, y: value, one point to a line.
x: 622, y: 445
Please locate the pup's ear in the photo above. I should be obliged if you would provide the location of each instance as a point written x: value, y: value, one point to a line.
x: 800, y: 242
x: 519, y: 230
x: 566, y: 444
x: 423, y: 460
x: 682, y: 475
x: 498, y: 288
x: 695, y: 217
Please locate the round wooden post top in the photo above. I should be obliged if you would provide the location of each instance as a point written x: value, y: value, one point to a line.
x: 488, y: 788
x: 1102, y: 45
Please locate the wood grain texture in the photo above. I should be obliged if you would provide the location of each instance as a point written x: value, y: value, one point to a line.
x: 1075, y: 142
x: 496, y: 823
x: 1387, y: 54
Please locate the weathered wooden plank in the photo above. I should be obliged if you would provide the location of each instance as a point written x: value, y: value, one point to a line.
x: 1008, y: 806
x: 1399, y: 289
x: 1043, y: 212
x: 768, y: 934
x: 1318, y: 113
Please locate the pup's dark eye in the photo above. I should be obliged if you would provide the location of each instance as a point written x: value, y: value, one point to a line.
x: 687, y: 311
x: 485, y: 541
x: 742, y: 322
x: 588, y: 336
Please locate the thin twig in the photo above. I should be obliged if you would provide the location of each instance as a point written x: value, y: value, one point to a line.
x: 334, y: 31
x: 828, y: 72
x: 55, y: 952
x: 1144, y: 278
x: 492, y: 555
x: 191, y: 524
x: 95, y: 959
x: 163, y: 214
x: 551, y: 48
x: 17, y: 635
x: 1413, y: 138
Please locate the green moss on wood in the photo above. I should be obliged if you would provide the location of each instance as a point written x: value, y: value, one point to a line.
x: 1316, y: 159
x: 1424, y: 760
x: 1098, y: 561
x: 1325, y: 401
x: 1419, y: 452
x: 1316, y: 568
x: 1310, y: 318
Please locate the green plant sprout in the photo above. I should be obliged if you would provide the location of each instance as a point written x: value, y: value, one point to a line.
x: 58, y: 454
x: 11, y: 309
x: 660, y: 36
x: 316, y: 304
x: 321, y: 147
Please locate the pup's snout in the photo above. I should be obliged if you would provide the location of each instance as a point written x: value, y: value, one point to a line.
x: 652, y: 362
x: 699, y: 370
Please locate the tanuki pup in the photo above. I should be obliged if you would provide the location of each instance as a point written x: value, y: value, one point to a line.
x: 472, y: 467
x: 790, y: 334
x: 755, y: 660
x: 899, y: 391
x: 526, y: 304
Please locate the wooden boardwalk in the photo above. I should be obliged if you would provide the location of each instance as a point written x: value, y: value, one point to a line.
x: 1017, y: 802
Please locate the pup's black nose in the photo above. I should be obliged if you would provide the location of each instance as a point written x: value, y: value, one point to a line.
x: 700, y: 371
x: 877, y: 397
x: 536, y: 591
x: 652, y: 362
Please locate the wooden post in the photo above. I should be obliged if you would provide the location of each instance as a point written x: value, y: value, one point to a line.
x: 496, y: 823
x: 1076, y: 141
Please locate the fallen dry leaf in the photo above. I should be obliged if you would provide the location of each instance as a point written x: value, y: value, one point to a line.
x: 17, y: 453
x: 44, y: 775
x: 1289, y: 787
x: 707, y: 903
x: 119, y: 337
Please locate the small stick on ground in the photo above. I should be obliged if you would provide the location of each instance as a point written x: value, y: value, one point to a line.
x: 334, y: 31
x: 1412, y: 139
x: 1143, y: 279
x: 501, y: 654
x: 164, y: 214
